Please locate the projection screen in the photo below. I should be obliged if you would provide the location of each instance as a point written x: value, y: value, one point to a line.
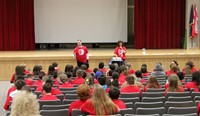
x: 92, y: 21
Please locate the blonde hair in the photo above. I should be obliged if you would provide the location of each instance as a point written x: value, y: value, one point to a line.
x: 153, y: 82
x: 102, y: 103
x: 63, y: 78
x: 25, y: 104
x: 187, y: 70
x: 173, y: 83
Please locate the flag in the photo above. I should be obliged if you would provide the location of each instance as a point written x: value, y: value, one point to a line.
x: 191, y: 21
x: 195, y: 23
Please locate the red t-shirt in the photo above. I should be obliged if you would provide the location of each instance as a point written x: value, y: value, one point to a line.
x: 130, y: 88
x: 88, y: 107
x: 192, y: 85
x: 7, y: 103
x: 38, y: 82
x: 29, y: 82
x: 146, y: 87
x: 12, y: 78
x: 13, y: 88
x: 78, y: 80
x: 89, y: 70
x: 131, y: 71
x: 180, y: 89
x: 170, y: 72
x: 119, y: 52
x: 103, y: 70
x: 56, y: 82
x: 54, y: 91
x: 48, y: 97
x: 122, y: 78
x: 26, y: 71
x: 75, y: 105
x: 81, y: 53
x: 119, y: 103
x: 193, y: 69
x: 66, y: 85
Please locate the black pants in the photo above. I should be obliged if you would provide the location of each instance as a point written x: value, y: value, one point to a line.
x: 80, y: 63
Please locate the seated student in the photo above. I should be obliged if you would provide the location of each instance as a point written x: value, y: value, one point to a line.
x: 54, y: 79
x: 115, y: 82
x: 69, y: 68
x: 55, y: 65
x: 173, y: 69
x: 79, y: 80
x: 47, y: 89
x: 101, y: 67
x: 25, y: 104
x: 69, y: 75
x: 158, y: 71
x: 99, y: 104
x: 39, y: 87
x: 65, y: 82
x: 88, y: 70
x: 110, y: 71
x: 131, y: 71
x: 29, y: 80
x: 181, y: 77
x: 51, y: 71
x: 102, y: 82
x: 152, y: 83
x: 114, y: 95
x: 173, y: 84
x: 19, y: 70
x: 130, y: 85
x: 122, y: 77
x: 195, y: 82
x: 18, y: 84
x: 39, y: 82
x: 83, y: 92
x: 191, y: 65
x: 138, y: 74
x: 144, y: 71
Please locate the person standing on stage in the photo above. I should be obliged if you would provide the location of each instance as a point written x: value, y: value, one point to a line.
x: 120, y: 51
x: 81, y: 53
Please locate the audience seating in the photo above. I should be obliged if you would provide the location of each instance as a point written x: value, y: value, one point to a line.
x: 153, y: 94
x: 177, y: 94
x: 194, y: 114
x: 141, y: 115
x: 71, y: 96
x: 133, y: 100
x: 61, y: 112
x: 68, y: 92
x: 182, y: 110
x: 153, y: 99
x: 68, y: 89
x: 68, y: 101
x: 126, y: 111
x: 180, y: 99
x: 55, y: 107
x: 77, y: 112
x: 129, y: 105
x: 194, y: 94
x: 147, y: 111
x: 155, y: 90
x: 37, y: 93
x: 49, y: 102
x: 147, y: 105
x: 129, y: 95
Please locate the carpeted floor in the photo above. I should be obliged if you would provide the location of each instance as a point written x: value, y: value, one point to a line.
x: 4, y: 86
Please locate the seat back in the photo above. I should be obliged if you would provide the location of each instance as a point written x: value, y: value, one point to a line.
x: 68, y: 89
x: 49, y: 102
x: 129, y: 95
x: 55, y: 107
x: 180, y: 99
x: 153, y: 94
x: 177, y: 94
x: 60, y: 112
x: 145, y: 111
x: 153, y: 99
x: 126, y: 111
x: 71, y: 96
x: 182, y: 110
x: 76, y: 112
x: 133, y: 100
x: 148, y: 105
x: 155, y: 89
x: 194, y: 94
x: 129, y: 105
x: 193, y: 114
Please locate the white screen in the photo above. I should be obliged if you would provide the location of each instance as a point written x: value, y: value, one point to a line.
x: 66, y: 21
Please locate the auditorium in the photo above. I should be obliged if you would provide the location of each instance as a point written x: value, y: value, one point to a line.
x: 100, y: 57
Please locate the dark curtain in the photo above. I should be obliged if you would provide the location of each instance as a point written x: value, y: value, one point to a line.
x: 17, y: 25
x: 159, y: 24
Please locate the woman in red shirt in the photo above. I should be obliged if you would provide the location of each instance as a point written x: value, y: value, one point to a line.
x: 100, y: 103
x: 120, y: 51
x: 152, y: 83
x: 173, y: 84
x: 195, y: 82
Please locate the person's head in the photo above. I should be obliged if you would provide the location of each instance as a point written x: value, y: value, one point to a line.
x: 115, y: 75
x: 196, y: 77
x: 175, y: 62
x: 47, y: 88
x: 40, y: 67
x: 95, y: 70
x: 110, y: 72
x: 173, y: 82
x: 112, y: 67
x: 187, y: 70
x: 190, y: 63
x: 130, y: 80
x: 153, y: 82
x: 36, y: 70
x: 19, y: 70
x: 108, y: 82
x: 83, y: 92
x: 143, y: 69
x: 75, y: 71
x: 114, y: 93
x: 89, y: 80
x: 83, y: 67
x: 25, y: 104
x: 51, y: 70
x: 79, y: 43
x: 69, y: 74
x: 123, y: 68
x: 63, y: 78
x: 158, y: 67
x: 44, y: 79
x: 138, y: 73
x: 79, y: 73
x: 115, y: 83
x: 50, y: 82
x: 144, y: 65
x: 19, y: 84
x: 180, y: 75
x: 102, y: 79
x: 55, y: 64
x: 41, y: 74
x: 128, y: 65
x: 87, y: 65
x: 101, y: 65
x: 84, y: 74
x: 99, y: 72
x: 174, y: 68
x: 120, y: 43
x: 68, y: 68
x: 102, y: 103
x: 26, y: 88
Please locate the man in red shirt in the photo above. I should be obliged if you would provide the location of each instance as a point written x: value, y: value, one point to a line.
x: 114, y: 95
x: 47, y: 92
x: 83, y: 92
x: 81, y: 53
x: 78, y: 79
x: 101, y: 67
x: 130, y: 87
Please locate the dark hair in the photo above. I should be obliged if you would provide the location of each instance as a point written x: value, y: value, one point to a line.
x: 119, y: 43
x: 180, y: 75
x: 143, y: 69
x: 115, y: 83
x: 19, y: 84
x: 51, y: 70
x: 102, y: 79
x: 114, y: 93
x: 49, y: 81
x: 196, y: 77
x: 54, y: 64
x: 110, y: 72
x: 101, y: 65
x: 69, y: 74
x: 138, y: 73
x: 84, y: 74
x: 130, y: 80
x: 19, y: 70
x: 83, y: 67
x: 55, y: 74
x: 74, y: 71
x: 95, y: 70
x: 41, y: 74
x: 29, y: 76
x: 47, y: 87
x: 145, y: 65
x: 79, y: 73
x: 36, y: 70
x: 19, y: 77
x: 112, y: 67
x: 87, y: 65
x: 118, y: 69
x: 175, y: 62
x: 68, y: 68
x: 190, y: 63
x: 115, y: 75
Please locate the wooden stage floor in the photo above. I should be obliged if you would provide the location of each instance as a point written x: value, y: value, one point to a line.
x: 9, y: 59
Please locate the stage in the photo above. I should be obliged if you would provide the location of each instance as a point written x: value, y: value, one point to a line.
x: 9, y: 59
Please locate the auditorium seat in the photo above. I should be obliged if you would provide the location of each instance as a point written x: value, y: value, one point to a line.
x: 59, y: 96
x: 182, y: 110
x: 68, y: 92
x: 177, y: 94
x: 133, y: 100
x: 71, y: 96
x: 194, y: 94
x: 129, y: 95
x: 126, y: 111
x: 55, y: 107
x: 147, y: 111
x: 68, y: 89
x: 49, y: 102
x: 37, y: 93
x: 141, y: 115
x: 153, y: 99
x: 68, y: 101
x: 179, y: 99
x: 61, y: 112
x: 197, y: 98
x: 77, y: 112
x: 193, y: 114
x: 147, y: 105
x: 153, y: 94
x: 155, y: 89
x: 129, y: 104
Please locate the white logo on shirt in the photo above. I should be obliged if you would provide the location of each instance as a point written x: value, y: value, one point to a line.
x: 80, y: 51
